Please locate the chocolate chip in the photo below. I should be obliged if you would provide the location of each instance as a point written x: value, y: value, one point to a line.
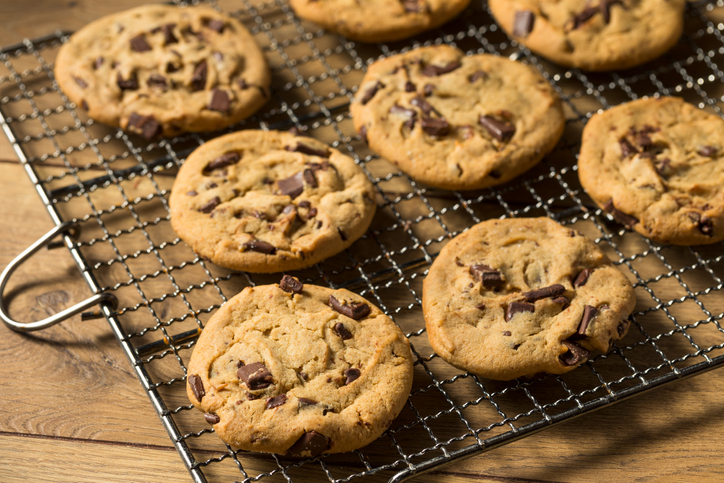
x: 562, y: 301
x: 252, y: 397
x: 292, y: 186
x: 414, y: 6
x: 342, y: 234
x: 146, y: 126
x: 589, y: 312
x: 309, y: 445
x: 219, y: 101
x: 517, y: 307
x: 431, y: 70
x: 478, y: 74
x: 419, y: 101
x: 303, y: 401
x: 708, y: 151
x: 574, y: 355
x: 410, y: 87
x: 434, y: 126
x: 309, y: 178
x: 507, y: 333
x: 192, y: 193
x: 480, y: 306
x: 489, y: 277
x: 156, y: 81
x: 353, y: 310
x: 342, y: 331
x: 523, y: 23
x: 370, y: 93
x: 260, y: 246
x: 500, y: 130
x: 80, y: 82
x: 582, y: 277
x: 139, y: 44
x: 643, y: 140
x: 197, y: 386
x: 352, y: 375
x: 545, y: 292
x: 625, y: 219
x: 226, y: 159
x: 305, y: 149
x: 584, y: 16
x: 428, y: 90
x: 409, y: 114
x: 290, y: 284
x: 255, y: 376
x: 706, y: 226
x: 130, y: 84
x: 276, y: 401
x: 211, y: 418
x: 495, y: 174
x: 98, y: 63
x: 605, y: 7
x: 363, y: 133
x: 168, y: 36
x: 663, y: 166
x: 210, y: 205
x: 627, y: 149
x: 216, y: 24
x: 198, y: 79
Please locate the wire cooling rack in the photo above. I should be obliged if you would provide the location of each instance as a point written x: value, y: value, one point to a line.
x: 112, y: 189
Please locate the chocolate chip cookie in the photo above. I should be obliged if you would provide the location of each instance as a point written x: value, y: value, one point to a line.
x: 379, y: 20
x: 159, y: 70
x: 596, y: 35
x: 516, y: 297
x: 299, y: 370
x: 657, y: 166
x: 267, y: 201
x: 454, y: 121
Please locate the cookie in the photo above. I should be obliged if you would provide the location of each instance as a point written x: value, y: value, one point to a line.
x: 267, y: 201
x: 379, y: 20
x: 454, y: 121
x: 299, y: 370
x: 159, y: 70
x: 517, y: 297
x: 596, y: 35
x: 657, y: 166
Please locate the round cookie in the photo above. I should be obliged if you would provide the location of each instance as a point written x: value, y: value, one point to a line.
x: 454, y: 121
x: 267, y: 201
x: 516, y: 297
x: 657, y: 166
x: 597, y: 36
x: 162, y: 70
x: 379, y: 20
x: 299, y: 370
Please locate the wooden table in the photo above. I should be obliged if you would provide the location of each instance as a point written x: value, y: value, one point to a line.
x: 72, y: 410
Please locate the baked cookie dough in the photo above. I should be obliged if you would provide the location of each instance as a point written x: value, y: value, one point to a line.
x: 517, y: 297
x: 454, y: 121
x: 267, y: 201
x: 378, y: 20
x: 299, y: 370
x: 657, y: 166
x: 160, y: 70
x: 596, y: 35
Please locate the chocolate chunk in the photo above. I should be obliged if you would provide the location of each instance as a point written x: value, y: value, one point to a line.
x: 370, y: 93
x: 260, y: 246
x: 255, y: 376
x: 211, y: 418
x: 431, y: 70
x: 708, y: 151
x: 406, y: 113
x: 197, y: 386
x: 414, y: 6
x: 342, y: 331
x: 625, y: 219
x: 303, y: 401
x: 84, y: 105
x: 410, y: 87
x: 420, y: 102
x: 198, y: 79
x: 706, y: 226
x: 517, y: 307
x: 309, y: 445
x: 216, y: 24
x: 589, y: 312
x: 605, y: 7
x: 130, y: 84
x: 352, y: 375
x: 545, y: 292
x: 643, y: 140
x: 292, y: 186
x: 353, y: 310
x: 309, y: 178
x: 219, y: 101
x: 139, y: 44
x: 210, y: 205
x: 523, y: 23
x: 305, y: 149
x: 276, y: 401
x: 168, y: 36
x: 363, y: 134
x: 584, y: 16
x: 663, y: 166
x: 428, y: 90
x: 489, y: 277
x: 80, y: 82
x: 342, y: 234
x: 627, y: 149
x: 574, y: 355
x: 435, y: 127
x: 500, y: 130
x: 226, y: 159
x: 290, y: 284
x: 562, y: 301
x: 156, y: 81
x: 146, y: 126
x: 478, y: 74
x: 582, y: 277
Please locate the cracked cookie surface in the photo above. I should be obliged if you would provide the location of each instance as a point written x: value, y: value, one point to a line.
x: 454, y: 121
x: 299, y: 370
x: 379, y: 20
x: 657, y: 166
x: 594, y: 35
x: 160, y: 70
x: 516, y: 297
x: 268, y: 201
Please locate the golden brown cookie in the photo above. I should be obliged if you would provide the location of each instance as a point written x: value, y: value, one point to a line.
x: 593, y: 35
x: 267, y: 201
x: 657, y: 166
x: 454, y: 121
x: 516, y: 297
x: 162, y: 70
x: 299, y: 370
x: 378, y: 20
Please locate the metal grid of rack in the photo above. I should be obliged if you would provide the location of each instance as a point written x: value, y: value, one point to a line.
x: 113, y: 188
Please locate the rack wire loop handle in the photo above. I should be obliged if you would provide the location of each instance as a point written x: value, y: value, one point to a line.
x: 45, y: 240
